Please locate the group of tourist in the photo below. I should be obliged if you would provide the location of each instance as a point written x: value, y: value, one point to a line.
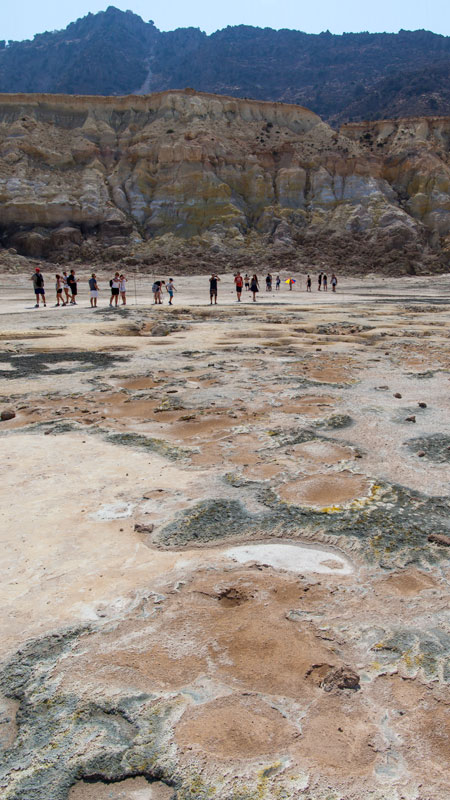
x: 66, y: 287
x: 251, y: 284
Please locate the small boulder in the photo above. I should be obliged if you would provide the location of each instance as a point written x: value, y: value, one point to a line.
x: 410, y: 419
x: 397, y: 395
x: 439, y: 538
x: 421, y: 453
x: 8, y: 413
x: 342, y: 678
x: 144, y: 528
x: 422, y: 405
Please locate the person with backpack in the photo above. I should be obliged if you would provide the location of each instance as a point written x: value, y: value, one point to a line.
x: 72, y: 281
x: 38, y: 284
x: 115, y: 288
x: 238, y: 282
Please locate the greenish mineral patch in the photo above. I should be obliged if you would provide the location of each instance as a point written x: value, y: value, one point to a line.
x: 391, y: 528
x: 159, y: 446
x: 416, y: 650
x: 436, y: 447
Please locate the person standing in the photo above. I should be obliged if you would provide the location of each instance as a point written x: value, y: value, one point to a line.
x: 65, y: 281
x: 238, y: 283
x: 115, y: 288
x: 333, y: 282
x: 213, y: 281
x: 123, y: 289
x: 254, y: 286
x: 319, y: 281
x: 325, y: 282
x: 93, y: 290
x: 308, y: 283
x: 170, y: 288
x: 268, y: 282
x: 73, y: 288
x: 59, y: 291
x: 246, y: 282
x: 38, y: 285
x: 278, y: 283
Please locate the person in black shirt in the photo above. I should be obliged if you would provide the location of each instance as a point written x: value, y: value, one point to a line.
x: 72, y: 281
x: 213, y: 288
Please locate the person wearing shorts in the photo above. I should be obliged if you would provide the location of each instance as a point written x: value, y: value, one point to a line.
x: 59, y: 291
x: 65, y: 280
x: 38, y: 284
x: 277, y: 283
x: 333, y: 282
x: 115, y: 289
x: 123, y: 289
x: 72, y: 281
x: 93, y: 290
x: 213, y: 288
x: 308, y: 283
x: 247, y: 282
x: 170, y: 288
x: 238, y: 282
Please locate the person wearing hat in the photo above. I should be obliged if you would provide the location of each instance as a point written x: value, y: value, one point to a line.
x: 38, y: 283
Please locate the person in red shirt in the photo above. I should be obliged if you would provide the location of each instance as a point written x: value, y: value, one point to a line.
x: 238, y: 282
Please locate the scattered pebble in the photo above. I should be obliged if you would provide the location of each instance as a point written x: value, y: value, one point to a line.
x: 410, y: 419
x: 422, y: 405
x: 397, y: 394
x: 421, y: 453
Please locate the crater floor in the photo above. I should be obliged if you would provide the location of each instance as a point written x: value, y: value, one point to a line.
x: 225, y: 545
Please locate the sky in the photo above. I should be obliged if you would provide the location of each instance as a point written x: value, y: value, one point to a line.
x: 21, y: 19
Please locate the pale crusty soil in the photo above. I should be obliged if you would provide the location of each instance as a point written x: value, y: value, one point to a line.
x: 238, y: 419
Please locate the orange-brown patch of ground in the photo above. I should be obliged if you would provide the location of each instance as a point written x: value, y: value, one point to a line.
x: 235, y: 727
x: 407, y: 583
x: 325, y: 489
x: 337, y: 735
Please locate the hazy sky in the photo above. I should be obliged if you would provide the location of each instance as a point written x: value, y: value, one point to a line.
x: 21, y: 19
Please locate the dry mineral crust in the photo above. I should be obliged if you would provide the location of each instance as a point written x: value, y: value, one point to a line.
x: 219, y: 180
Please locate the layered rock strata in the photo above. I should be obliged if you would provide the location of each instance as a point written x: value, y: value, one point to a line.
x: 220, y: 180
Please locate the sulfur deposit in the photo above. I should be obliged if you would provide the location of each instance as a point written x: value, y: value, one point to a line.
x: 190, y: 180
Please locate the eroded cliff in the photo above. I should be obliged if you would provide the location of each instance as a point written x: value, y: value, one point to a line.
x: 220, y: 180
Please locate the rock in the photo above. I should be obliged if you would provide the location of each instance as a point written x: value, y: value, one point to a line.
x: 439, y: 538
x: 62, y: 190
x: 144, y: 528
x: 421, y: 453
x: 160, y: 329
x: 8, y: 413
x: 422, y: 405
x: 342, y: 678
x: 410, y: 418
x: 397, y: 395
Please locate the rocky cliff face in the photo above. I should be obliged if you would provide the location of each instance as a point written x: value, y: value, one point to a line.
x: 225, y: 181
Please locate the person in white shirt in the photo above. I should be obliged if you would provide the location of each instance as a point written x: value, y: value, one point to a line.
x: 123, y: 289
x: 115, y: 288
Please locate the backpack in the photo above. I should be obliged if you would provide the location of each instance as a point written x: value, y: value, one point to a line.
x: 111, y: 283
